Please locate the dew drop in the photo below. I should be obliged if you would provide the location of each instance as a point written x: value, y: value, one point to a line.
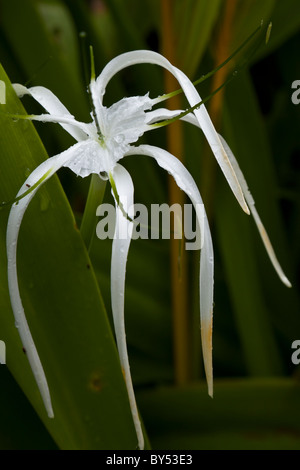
x: 119, y: 138
x: 103, y: 175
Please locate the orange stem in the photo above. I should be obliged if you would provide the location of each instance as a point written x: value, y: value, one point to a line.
x: 181, y: 333
x: 222, y: 51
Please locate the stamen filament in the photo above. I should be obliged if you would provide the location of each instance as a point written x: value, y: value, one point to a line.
x: 212, y: 72
x: 49, y: 118
x: 93, y: 77
x: 191, y: 109
x: 93, y: 73
x: 233, y: 75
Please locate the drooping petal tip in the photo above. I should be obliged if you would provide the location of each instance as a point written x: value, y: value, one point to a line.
x: 206, y: 338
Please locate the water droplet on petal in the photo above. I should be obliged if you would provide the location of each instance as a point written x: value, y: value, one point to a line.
x: 119, y: 138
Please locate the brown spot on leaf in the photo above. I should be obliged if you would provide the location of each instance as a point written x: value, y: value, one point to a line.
x: 95, y: 384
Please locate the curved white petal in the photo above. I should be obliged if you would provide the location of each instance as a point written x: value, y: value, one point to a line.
x: 53, y: 105
x: 40, y: 174
x: 186, y: 182
x: 122, y: 238
x: 192, y: 95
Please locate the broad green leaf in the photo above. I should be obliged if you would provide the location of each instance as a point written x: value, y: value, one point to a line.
x: 63, y: 305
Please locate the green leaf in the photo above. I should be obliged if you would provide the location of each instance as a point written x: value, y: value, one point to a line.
x: 195, y: 22
x: 63, y: 305
x: 243, y: 415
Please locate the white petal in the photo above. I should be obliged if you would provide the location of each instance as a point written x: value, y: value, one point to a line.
x: 89, y: 157
x: 51, y: 104
x: 185, y: 182
x: 259, y: 224
x: 144, y: 56
x: 206, y: 304
x: 123, y: 123
x: 42, y: 174
x: 120, y: 247
x: 126, y: 119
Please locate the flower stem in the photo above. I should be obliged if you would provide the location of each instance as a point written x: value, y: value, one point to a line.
x: 181, y: 336
x: 95, y: 197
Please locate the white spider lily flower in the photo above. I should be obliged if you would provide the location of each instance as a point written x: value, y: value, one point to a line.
x: 101, y: 144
